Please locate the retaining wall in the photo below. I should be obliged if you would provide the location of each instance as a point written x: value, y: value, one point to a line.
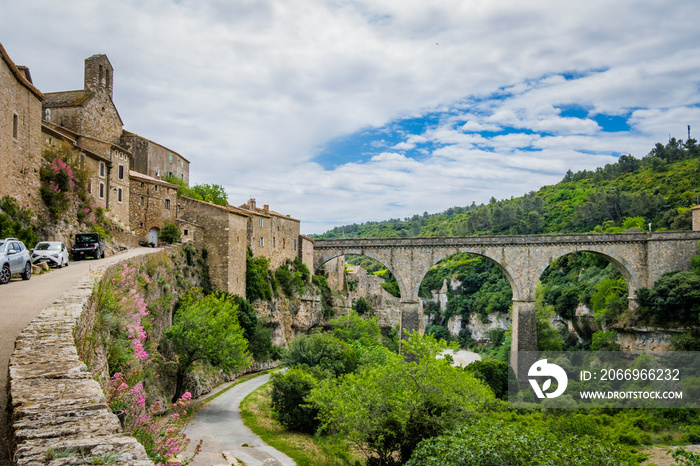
x: 56, y: 408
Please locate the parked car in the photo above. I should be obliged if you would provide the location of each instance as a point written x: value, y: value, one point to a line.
x: 14, y: 259
x: 52, y: 252
x: 88, y: 244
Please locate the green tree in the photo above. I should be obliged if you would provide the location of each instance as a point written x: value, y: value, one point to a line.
x: 492, y: 373
x: 387, y: 409
x: 258, y: 278
x: 213, y: 193
x: 323, y: 351
x: 609, y: 299
x: 205, y: 328
x: 605, y: 341
x: 674, y: 298
x: 353, y: 328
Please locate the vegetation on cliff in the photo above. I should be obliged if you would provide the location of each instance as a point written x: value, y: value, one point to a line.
x: 659, y: 188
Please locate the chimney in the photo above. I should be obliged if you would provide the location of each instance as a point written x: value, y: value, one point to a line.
x: 251, y: 204
x: 696, y: 217
x: 266, y: 207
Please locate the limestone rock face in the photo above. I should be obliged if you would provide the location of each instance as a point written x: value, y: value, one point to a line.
x: 645, y: 338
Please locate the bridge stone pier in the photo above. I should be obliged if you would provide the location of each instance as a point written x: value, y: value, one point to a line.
x: 641, y: 258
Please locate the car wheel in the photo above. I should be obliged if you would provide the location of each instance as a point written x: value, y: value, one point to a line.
x: 60, y: 266
x: 27, y: 274
x: 102, y: 255
x: 5, y: 274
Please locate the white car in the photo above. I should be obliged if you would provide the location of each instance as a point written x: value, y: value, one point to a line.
x: 52, y: 252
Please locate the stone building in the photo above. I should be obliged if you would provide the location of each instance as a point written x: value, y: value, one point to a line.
x: 222, y: 232
x: 91, y: 116
x: 155, y: 160
x: 696, y: 217
x: 271, y: 234
x: 306, y: 251
x: 20, y: 134
x: 152, y: 203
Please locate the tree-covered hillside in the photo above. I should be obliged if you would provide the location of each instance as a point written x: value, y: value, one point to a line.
x: 658, y: 189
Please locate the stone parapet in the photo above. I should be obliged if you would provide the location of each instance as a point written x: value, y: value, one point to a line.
x: 58, y: 412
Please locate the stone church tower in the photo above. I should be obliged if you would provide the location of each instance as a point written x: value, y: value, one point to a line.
x: 99, y: 75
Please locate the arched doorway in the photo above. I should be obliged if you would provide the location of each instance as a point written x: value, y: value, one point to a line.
x: 153, y: 236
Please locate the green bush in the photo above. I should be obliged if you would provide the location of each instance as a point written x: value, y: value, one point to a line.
x: 362, y: 306
x: 492, y: 443
x: 289, y: 392
x: 170, y: 233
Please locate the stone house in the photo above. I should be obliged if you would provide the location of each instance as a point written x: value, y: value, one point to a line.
x: 222, y: 231
x: 271, y: 234
x: 152, y: 203
x: 155, y: 160
x: 20, y: 134
x: 91, y: 116
x: 306, y: 251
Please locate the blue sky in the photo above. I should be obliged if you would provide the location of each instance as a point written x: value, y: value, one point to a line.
x: 342, y: 111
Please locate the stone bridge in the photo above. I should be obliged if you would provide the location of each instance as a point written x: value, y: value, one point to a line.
x: 641, y: 258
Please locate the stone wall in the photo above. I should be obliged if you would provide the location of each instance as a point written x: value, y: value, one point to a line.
x: 152, y: 203
x: 55, y: 405
x: 224, y: 237
x: 152, y: 159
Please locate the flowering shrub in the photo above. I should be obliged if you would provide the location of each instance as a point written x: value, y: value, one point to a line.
x: 58, y: 180
x: 129, y: 402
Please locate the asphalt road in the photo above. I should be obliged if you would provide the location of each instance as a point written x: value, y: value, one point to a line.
x: 221, y: 428
x: 20, y: 302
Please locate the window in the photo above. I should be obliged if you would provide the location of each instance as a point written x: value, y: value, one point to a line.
x: 261, y: 223
x: 262, y: 242
x: 89, y: 188
x: 155, y: 188
x: 102, y: 190
x: 120, y: 194
x: 102, y: 169
x: 82, y: 160
x: 170, y: 158
x: 15, y: 126
x: 167, y: 204
x: 141, y: 200
x: 142, y: 185
x: 186, y: 232
x: 121, y: 171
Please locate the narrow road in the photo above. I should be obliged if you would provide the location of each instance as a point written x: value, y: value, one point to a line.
x: 221, y: 428
x: 21, y: 301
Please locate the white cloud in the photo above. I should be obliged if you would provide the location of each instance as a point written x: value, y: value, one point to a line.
x: 250, y: 90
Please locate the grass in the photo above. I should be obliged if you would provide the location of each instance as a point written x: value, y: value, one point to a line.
x: 257, y: 414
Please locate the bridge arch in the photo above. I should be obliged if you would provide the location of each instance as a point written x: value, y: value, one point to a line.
x: 319, y: 261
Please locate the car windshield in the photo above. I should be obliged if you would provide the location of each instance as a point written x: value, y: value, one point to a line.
x: 85, y: 238
x: 48, y: 247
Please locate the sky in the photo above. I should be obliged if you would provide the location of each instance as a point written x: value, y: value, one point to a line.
x: 343, y: 111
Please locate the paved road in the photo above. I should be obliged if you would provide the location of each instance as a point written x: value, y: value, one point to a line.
x: 219, y: 424
x: 21, y: 301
